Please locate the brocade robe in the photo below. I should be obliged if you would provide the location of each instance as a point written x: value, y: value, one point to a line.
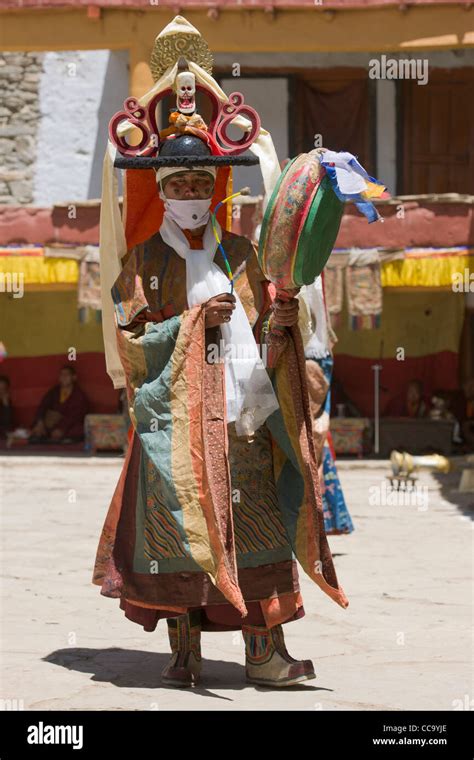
x: 202, y: 518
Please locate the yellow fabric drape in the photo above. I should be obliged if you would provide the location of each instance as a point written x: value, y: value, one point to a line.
x: 40, y: 270
x: 425, y: 272
x: 408, y: 272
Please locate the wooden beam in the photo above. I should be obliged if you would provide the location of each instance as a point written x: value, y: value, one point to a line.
x: 305, y: 30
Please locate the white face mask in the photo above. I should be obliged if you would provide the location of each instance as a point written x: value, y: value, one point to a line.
x: 189, y: 214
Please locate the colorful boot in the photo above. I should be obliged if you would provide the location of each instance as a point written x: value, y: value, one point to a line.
x: 267, y: 661
x: 184, y: 667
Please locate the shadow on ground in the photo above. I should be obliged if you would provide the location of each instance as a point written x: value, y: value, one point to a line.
x: 449, y: 485
x: 131, y: 668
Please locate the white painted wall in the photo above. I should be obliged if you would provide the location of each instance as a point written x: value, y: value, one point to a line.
x: 79, y: 92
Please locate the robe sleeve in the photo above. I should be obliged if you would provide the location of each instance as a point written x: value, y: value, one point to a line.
x: 143, y: 347
x: 45, y: 404
x: 72, y: 422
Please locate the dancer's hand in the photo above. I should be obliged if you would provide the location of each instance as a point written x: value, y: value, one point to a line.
x: 285, y: 313
x: 219, y: 309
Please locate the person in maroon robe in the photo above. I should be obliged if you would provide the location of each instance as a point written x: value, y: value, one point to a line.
x: 60, y: 416
x: 411, y: 403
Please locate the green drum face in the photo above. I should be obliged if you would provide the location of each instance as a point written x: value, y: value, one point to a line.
x: 300, y: 224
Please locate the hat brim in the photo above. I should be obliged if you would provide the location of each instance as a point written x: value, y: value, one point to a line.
x: 147, y: 162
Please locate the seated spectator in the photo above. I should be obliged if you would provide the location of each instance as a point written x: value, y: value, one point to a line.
x: 60, y: 417
x: 441, y: 406
x: 441, y: 403
x: 6, y: 411
x: 411, y: 403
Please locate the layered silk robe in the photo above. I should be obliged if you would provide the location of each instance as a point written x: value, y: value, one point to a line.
x: 201, y: 518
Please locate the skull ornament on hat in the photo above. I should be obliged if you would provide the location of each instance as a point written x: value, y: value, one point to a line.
x: 185, y: 92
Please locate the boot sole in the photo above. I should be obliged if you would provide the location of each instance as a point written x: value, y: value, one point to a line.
x: 282, y: 683
x: 177, y: 684
x: 180, y: 684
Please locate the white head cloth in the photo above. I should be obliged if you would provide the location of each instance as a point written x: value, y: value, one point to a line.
x: 250, y: 398
x: 167, y: 171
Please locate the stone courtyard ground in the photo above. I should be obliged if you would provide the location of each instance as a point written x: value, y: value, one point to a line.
x: 403, y: 643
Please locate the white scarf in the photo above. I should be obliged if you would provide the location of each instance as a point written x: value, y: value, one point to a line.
x: 250, y: 398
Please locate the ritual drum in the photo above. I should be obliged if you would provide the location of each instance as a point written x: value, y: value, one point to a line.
x: 300, y: 224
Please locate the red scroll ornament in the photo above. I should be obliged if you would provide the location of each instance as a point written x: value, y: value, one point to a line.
x: 144, y: 118
x: 228, y: 112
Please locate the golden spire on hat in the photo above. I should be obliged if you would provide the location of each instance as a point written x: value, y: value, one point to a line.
x: 179, y: 39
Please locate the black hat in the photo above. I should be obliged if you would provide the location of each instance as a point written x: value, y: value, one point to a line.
x: 184, y: 150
